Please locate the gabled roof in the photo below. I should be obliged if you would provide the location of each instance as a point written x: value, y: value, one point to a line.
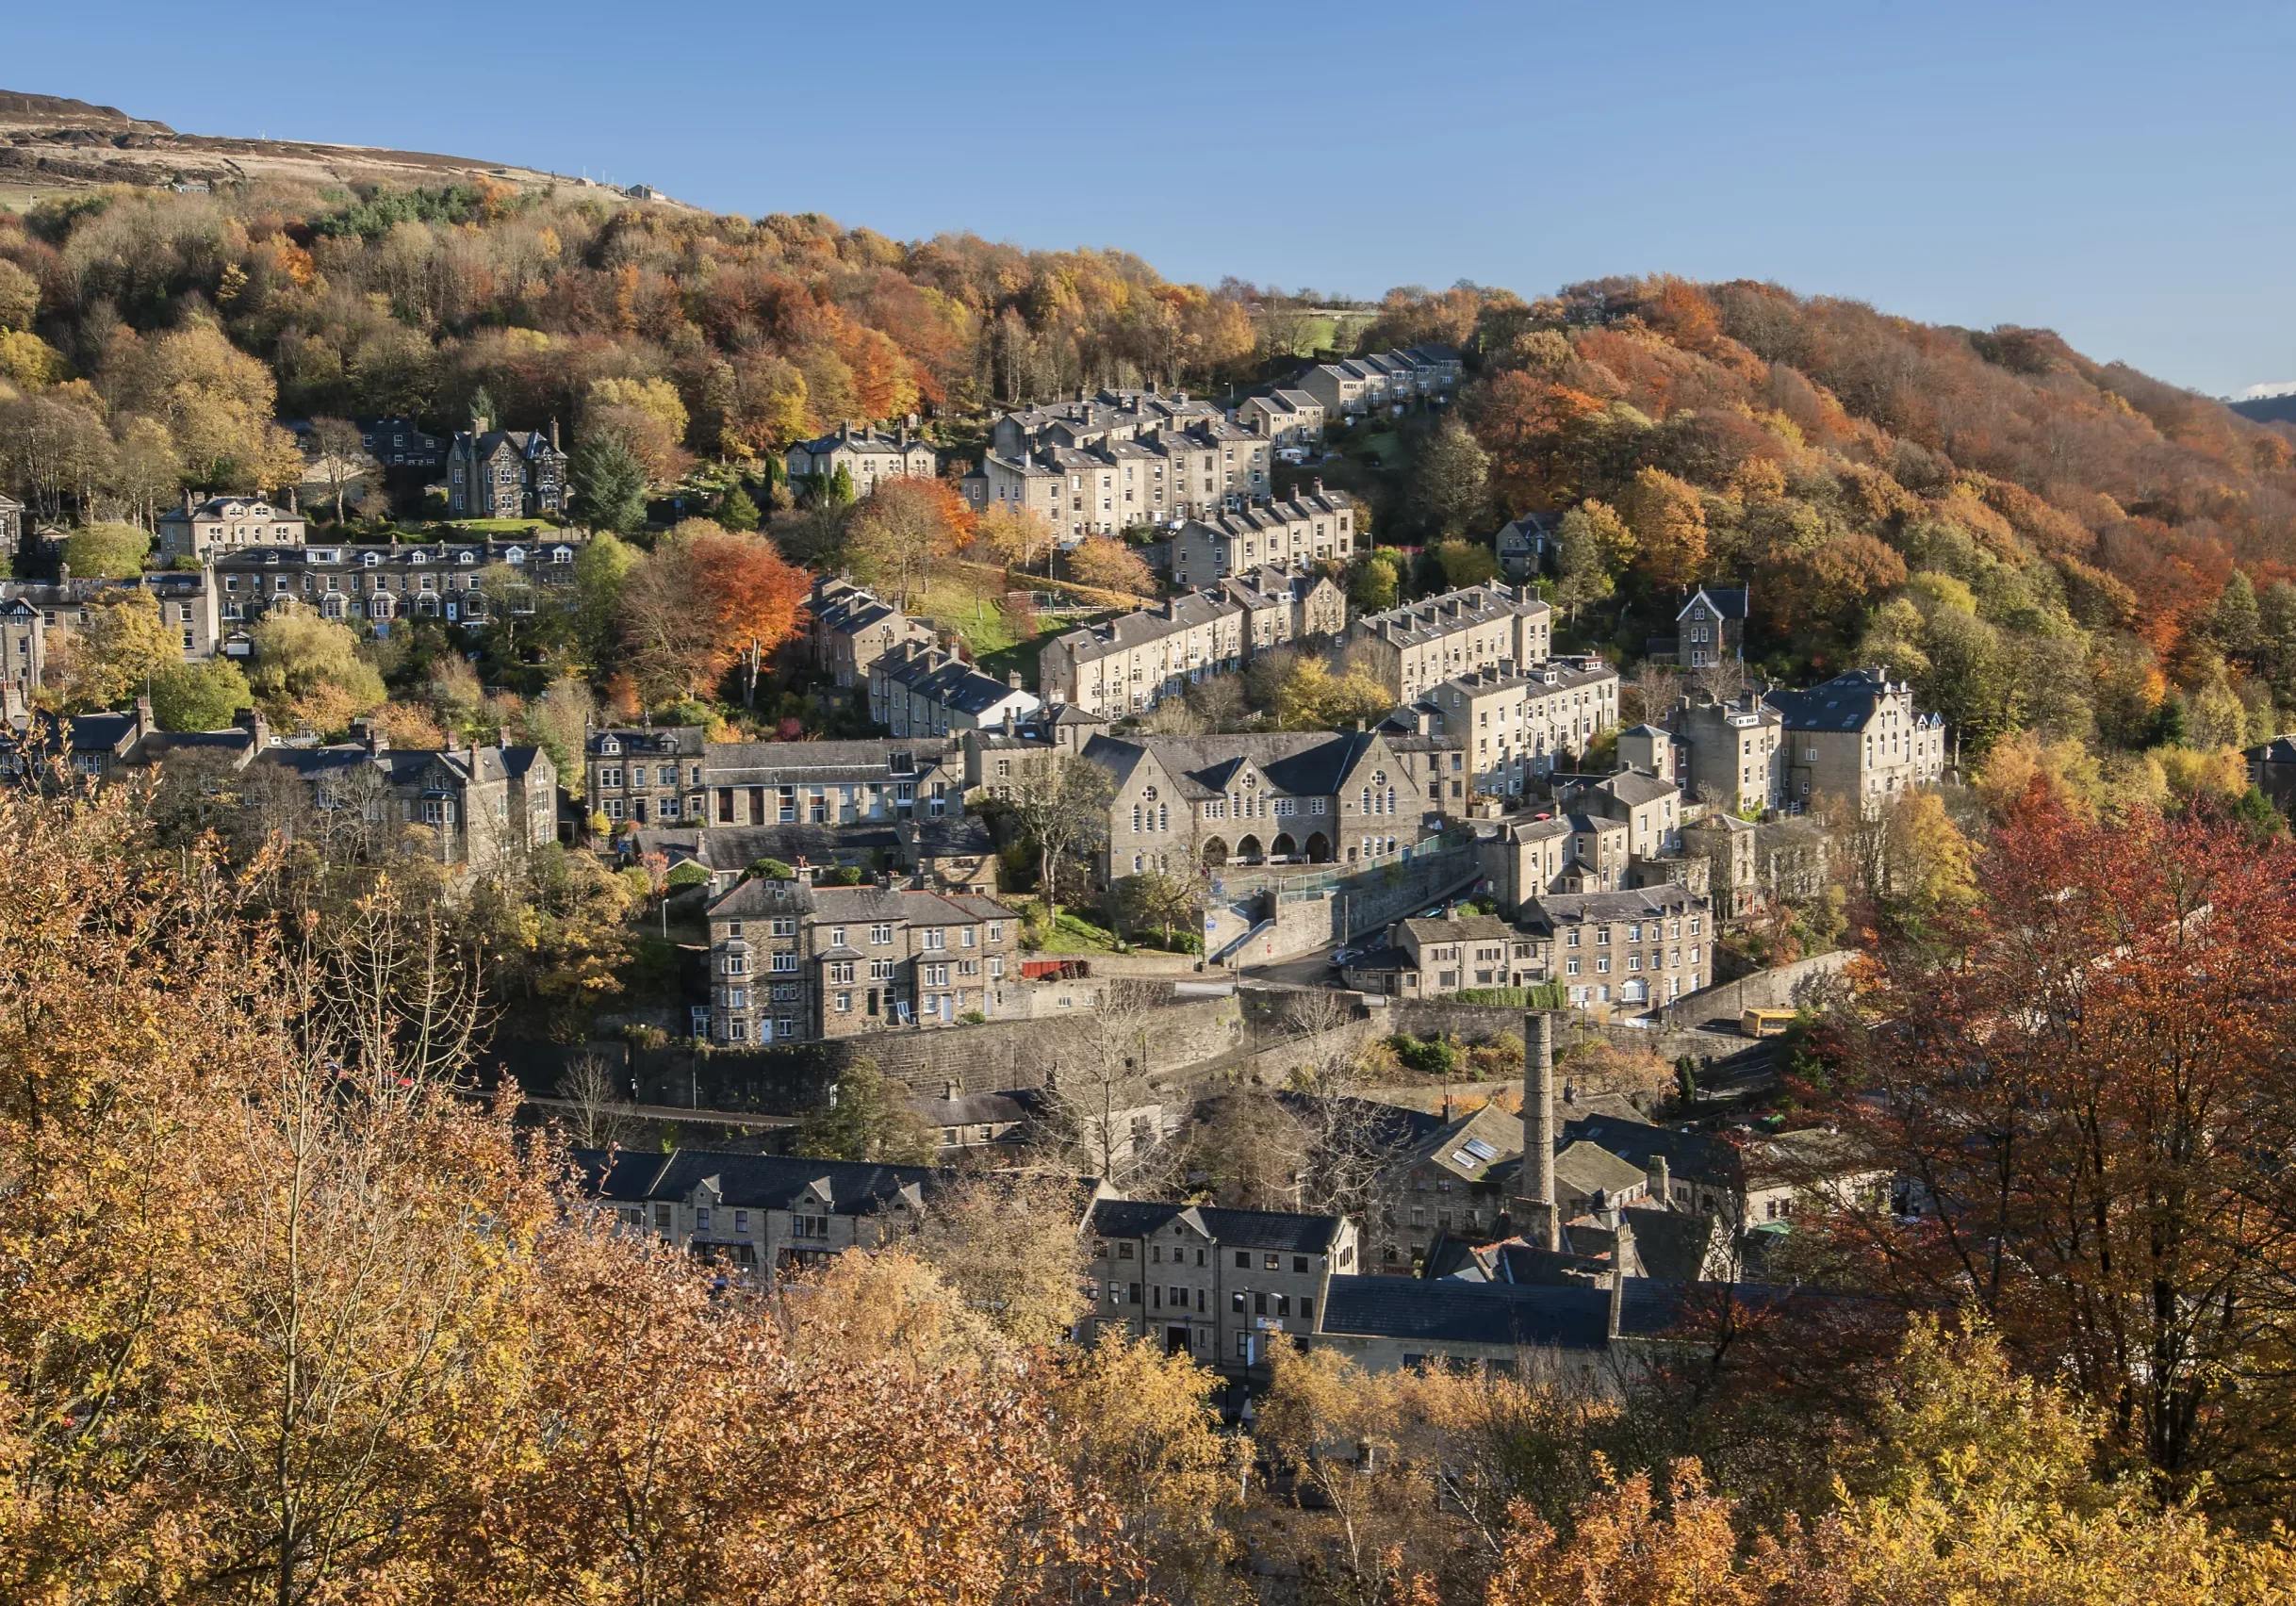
x: 1726, y: 602
x: 2279, y: 750
x: 1592, y: 1169
x: 1451, y: 1310
x: 1691, y: 1156
x: 1846, y: 702
x: 758, y: 1182
x: 1278, y: 1230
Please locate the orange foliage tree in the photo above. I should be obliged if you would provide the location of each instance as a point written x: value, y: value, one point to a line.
x: 2091, y: 1080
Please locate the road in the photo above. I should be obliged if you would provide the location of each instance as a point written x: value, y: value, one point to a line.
x: 1308, y: 970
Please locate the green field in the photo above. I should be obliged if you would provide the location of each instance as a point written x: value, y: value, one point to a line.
x: 971, y: 607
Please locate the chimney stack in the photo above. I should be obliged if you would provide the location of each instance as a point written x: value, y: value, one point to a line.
x: 1622, y: 1253
x: 1541, y: 1221
x: 1662, y: 1182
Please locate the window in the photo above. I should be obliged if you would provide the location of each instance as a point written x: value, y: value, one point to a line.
x: 880, y: 935
x: 1243, y: 1260
x: 702, y: 1219
x: 844, y: 1004
x: 1272, y: 1263
x: 1235, y: 1302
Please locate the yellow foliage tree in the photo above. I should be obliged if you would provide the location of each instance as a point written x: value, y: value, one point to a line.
x: 1669, y: 525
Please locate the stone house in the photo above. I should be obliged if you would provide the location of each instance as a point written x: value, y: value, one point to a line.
x: 789, y: 962
x: 1654, y: 751
x: 1635, y: 950
x: 11, y: 526
x: 1524, y: 859
x: 458, y: 581
x: 646, y: 775
x: 505, y: 474
x: 1287, y: 417
x: 185, y: 600
x: 1523, y: 543
x: 1858, y: 736
x: 1512, y: 723
x: 874, y: 781
x: 1318, y: 797
x: 473, y: 808
x: 868, y: 457
x: 760, y: 1215
x: 1222, y: 1285
x: 1733, y: 751
x: 400, y: 443
x: 1133, y: 661
x: 1419, y: 646
x: 1710, y: 626
x: 1650, y: 807
x: 2271, y: 766
x: 918, y: 691
x: 848, y: 628
x: 227, y: 524
x: 23, y: 652
x: 1432, y: 958
x: 1728, y: 844
x: 1314, y: 526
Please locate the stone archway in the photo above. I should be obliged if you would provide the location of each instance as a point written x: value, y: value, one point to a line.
x: 1248, y: 851
x: 1215, y: 852
x: 1284, y: 847
x: 1318, y: 849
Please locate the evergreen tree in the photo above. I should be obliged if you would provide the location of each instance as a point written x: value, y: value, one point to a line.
x: 737, y: 512
x: 481, y: 411
x: 1454, y: 474
x: 865, y: 1119
x: 1583, y: 557
x: 2235, y: 619
x: 609, y: 485
x: 2276, y: 640
x: 841, y: 487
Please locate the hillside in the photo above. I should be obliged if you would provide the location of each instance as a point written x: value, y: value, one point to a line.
x: 49, y: 144
x: 2039, y: 541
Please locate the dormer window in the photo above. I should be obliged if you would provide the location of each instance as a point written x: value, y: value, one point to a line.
x: 609, y: 746
x: 417, y: 556
x: 368, y: 560
x: 465, y: 557
x: 516, y: 555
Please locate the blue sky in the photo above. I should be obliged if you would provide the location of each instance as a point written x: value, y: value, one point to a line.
x: 2117, y: 172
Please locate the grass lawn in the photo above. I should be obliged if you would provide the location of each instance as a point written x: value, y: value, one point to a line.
x: 497, y: 525
x: 972, y: 608
x: 1075, y: 934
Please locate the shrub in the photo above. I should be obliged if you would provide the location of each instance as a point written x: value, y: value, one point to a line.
x: 845, y: 875
x: 770, y: 869
x: 1433, y: 1056
x: 687, y: 874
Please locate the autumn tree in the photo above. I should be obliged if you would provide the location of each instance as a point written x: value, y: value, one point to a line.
x: 902, y: 530
x: 703, y: 600
x: 1010, y: 1245
x: 119, y: 646
x: 1105, y: 562
x: 1014, y: 534
x: 340, y: 457
x: 1669, y: 526
x: 107, y: 552
x: 2081, y: 1088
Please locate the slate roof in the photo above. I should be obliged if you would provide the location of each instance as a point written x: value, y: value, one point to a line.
x: 1691, y: 1156
x: 1146, y: 626
x: 1589, y: 1169
x: 817, y: 763
x: 1451, y: 1310
x: 2279, y: 750
x: 1445, y: 1148
x: 760, y: 1182
x: 1304, y: 763
x: 949, y: 682
x: 673, y: 741
x: 1544, y: 913
x: 1726, y: 602
x: 1453, y: 610
x: 1846, y: 702
x: 1232, y: 1229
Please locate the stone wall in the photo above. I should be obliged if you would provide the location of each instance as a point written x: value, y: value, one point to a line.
x: 994, y: 1057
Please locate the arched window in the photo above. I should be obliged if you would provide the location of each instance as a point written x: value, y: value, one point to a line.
x: 1367, y: 799
x: 1136, y: 819
x: 1163, y: 816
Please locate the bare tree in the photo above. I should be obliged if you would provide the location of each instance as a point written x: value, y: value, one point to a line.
x: 1352, y: 1140
x: 1652, y: 692
x: 1060, y: 802
x: 1101, y: 1115
x: 1218, y: 700
x: 596, y: 1116
x: 341, y: 456
x: 1722, y: 679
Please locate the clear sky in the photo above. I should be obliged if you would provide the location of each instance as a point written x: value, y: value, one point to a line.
x: 2119, y: 172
